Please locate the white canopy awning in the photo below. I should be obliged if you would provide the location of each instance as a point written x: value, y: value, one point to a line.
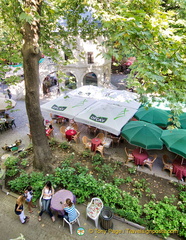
x: 99, y: 93
x: 106, y: 115
x: 67, y: 106
x: 105, y: 109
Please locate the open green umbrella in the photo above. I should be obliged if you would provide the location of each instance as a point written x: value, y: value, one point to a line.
x: 143, y: 134
x: 153, y: 115
x: 175, y: 141
x: 183, y: 120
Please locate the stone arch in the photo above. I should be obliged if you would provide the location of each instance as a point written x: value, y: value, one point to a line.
x: 90, y: 79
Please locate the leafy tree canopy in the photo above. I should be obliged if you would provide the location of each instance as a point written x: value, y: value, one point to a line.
x: 154, y: 31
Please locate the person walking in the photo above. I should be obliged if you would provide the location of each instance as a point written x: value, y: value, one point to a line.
x: 9, y: 93
x: 19, y: 209
x: 47, y: 193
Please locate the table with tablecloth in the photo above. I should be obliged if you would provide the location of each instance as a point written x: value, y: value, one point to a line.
x: 58, y: 200
x: 179, y: 169
x: 70, y: 133
x: 139, y: 156
x: 95, y: 142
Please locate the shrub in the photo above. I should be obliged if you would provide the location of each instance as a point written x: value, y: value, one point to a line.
x: 11, y: 166
x: 86, y: 153
x: 118, y: 181
x: 64, y: 145
x: 97, y: 159
x: 24, y: 162
x: 132, y: 170
x: 23, y: 154
x: 19, y: 183
x: 11, y: 162
x: 162, y: 216
x: 105, y: 171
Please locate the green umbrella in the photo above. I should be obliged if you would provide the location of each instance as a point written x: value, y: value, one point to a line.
x: 175, y: 141
x: 153, y: 115
x: 143, y: 134
x: 183, y: 120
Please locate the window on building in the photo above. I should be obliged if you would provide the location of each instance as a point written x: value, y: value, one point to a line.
x: 90, y: 57
x: 66, y: 57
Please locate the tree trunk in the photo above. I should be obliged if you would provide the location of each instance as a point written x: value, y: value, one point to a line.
x: 31, y: 55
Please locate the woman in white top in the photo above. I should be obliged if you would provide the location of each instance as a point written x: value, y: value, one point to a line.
x: 47, y: 193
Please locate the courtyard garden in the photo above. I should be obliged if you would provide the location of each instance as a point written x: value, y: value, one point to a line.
x: 153, y: 202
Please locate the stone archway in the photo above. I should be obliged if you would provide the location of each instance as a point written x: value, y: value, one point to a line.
x: 90, y: 79
x: 70, y: 81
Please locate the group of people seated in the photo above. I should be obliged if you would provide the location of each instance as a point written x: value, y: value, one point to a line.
x: 47, y: 194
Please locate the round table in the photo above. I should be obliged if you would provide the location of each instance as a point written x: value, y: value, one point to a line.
x: 95, y: 142
x: 139, y: 157
x: 69, y: 133
x: 178, y: 169
x: 58, y: 200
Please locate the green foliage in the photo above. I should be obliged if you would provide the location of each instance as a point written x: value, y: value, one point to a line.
x: 128, y: 179
x: 105, y: 171
x: 97, y: 159
x: 137, y: 192
x: 118, y: 181
x: 153, y: 196
x: 80, y: 168
x: 64, y: 145
x: 67, y: 161
x: 24, y: 162
x: 182, y: 202
x: 23, y: 154
x: 155, y: 215
x: 11, y: 162
x: 163, y: 215
x: 11, y: 166
x: 19, y: 183
x: 86, y: 153
x: 132, y: 170
x: 12, y: 171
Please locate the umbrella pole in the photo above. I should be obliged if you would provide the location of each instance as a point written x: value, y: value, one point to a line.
x: 182, y: 160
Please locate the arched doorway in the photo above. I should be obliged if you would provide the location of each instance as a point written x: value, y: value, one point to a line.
x: 90, y: 79
x: 70, y: 81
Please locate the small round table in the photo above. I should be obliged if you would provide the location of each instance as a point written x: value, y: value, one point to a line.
x: 69, y: 133
x: 58, y: 200
x: 95, y: 142
x: 139, y: 157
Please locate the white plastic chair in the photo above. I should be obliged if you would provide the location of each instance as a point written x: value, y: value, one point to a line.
x: 94, y: 209
x: 74, y: 221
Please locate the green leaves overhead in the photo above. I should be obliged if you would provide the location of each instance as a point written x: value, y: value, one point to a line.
x: 153, y: 32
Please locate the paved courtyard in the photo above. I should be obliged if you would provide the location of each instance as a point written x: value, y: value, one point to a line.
x: 9, y: 222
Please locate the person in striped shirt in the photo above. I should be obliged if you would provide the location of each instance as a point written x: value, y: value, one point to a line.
x: 70, y: 211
